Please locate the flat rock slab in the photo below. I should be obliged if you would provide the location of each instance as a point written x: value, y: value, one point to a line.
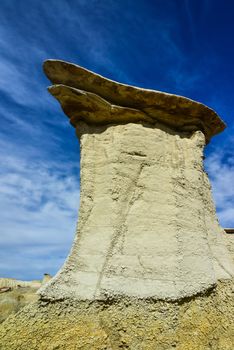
x: 102, y: 100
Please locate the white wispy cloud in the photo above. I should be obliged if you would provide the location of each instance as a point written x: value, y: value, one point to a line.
x: 38, y: 206
x: 39, y: 193
x: 220, y: 167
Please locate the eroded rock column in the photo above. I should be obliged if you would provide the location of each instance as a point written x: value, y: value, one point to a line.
x: 147, y: 223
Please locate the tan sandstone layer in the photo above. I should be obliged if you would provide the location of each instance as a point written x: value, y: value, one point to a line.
x: 203, y: 322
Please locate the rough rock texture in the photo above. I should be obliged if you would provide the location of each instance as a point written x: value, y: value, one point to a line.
x: 201, y: 323
x: 229, y: 242
x: 14, y: 300
x: 147, y: 224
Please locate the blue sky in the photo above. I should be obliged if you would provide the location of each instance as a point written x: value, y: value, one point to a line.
x: 177, y: 46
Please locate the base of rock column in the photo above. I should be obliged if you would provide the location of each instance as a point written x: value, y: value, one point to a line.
x: 198, y: 323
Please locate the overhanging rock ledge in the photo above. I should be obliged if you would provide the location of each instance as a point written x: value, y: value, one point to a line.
x: 89, y: 96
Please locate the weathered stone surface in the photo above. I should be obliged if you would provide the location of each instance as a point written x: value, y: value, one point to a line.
x: 147, y: 224
x: 201, y: 323
x: 11, y: 302
x: 229, y: 242
x: 90, y: 97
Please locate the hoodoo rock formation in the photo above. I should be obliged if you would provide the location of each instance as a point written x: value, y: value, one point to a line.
x: 147, y: 224
x: 148, y: 268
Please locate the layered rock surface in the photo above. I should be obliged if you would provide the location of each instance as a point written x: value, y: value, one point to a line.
x: 147, y: 224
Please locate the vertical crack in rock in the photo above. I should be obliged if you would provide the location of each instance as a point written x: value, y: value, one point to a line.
x: 127, y: 198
